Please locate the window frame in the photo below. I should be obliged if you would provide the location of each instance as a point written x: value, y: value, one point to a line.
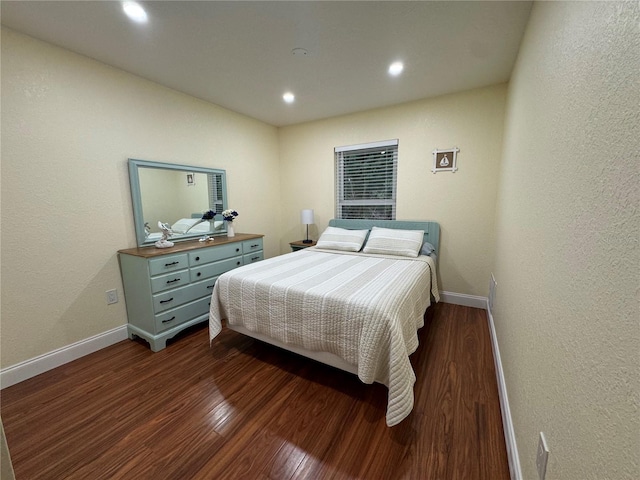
x: 364, y: 148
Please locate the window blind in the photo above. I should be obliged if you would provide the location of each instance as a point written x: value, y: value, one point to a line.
x: 215, y: 192
x: 366, y: 177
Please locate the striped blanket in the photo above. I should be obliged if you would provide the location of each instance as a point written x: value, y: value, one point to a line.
x: 366, y: 309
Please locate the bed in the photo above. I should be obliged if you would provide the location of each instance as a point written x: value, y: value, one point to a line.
x: 355, y: 310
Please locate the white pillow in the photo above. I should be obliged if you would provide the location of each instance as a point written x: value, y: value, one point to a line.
x: 184, y: 224
x: 389, y: 241
x: 334, y: 238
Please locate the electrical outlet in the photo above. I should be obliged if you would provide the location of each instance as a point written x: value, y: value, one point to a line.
x: 542, y: 456
x: 112, y: 296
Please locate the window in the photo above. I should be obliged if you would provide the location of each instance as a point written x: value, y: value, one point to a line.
x: 216, y: 192
x: 366, y: 180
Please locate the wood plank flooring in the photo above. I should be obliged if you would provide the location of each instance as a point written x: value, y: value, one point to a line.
x: 246, y: 410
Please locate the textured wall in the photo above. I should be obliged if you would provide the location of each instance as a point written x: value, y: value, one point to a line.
x: 6, y: 468
x: 567, y: 233
x: 462, y: 202
x: 68, y: 126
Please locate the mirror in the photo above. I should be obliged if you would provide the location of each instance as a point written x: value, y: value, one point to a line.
x: 177, y: 195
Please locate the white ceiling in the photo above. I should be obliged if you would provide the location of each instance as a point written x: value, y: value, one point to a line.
x: 239, y: 54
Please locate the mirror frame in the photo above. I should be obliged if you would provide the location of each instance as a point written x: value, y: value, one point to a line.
x: 136, y: 196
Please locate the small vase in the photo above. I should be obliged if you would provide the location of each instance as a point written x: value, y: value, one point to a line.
x: 230, y: 232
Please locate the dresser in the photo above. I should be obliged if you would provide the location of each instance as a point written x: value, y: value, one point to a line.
x: 169, y: 289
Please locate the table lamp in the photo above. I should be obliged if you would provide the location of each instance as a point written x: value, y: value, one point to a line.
x: 306, y: 218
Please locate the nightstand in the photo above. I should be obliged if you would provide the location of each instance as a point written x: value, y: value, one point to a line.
x: 299, y: 245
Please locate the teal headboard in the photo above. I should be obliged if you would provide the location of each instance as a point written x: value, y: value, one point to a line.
x: 431, y: 229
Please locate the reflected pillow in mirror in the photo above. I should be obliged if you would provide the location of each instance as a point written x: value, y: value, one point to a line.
x: 182, y: 225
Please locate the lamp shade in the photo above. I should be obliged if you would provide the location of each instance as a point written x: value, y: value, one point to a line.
x: 306, y: 217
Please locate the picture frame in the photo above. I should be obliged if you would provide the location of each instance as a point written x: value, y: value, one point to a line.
x: 191, y: 179
x: 445, y: 160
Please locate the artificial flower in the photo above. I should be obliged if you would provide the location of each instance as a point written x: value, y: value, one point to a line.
x: 229, y: 215
x: 209, y: 215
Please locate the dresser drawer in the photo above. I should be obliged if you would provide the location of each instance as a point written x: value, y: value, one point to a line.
x: 215, y: 268
x: 254, y: 245
x: 205, y: 288
x: 252, y: 257
x: 172, y: 280
x: 166, y: 264
x: 214, y: 253
x: 178, y: 296
x: 179, y: 315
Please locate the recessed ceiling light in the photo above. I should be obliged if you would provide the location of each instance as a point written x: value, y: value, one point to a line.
x: 289, y: 97
x: 134, y: 11
x: 395, y: 68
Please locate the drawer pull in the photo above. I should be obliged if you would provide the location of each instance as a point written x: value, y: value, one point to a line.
x: 197, y: 259
x: 172, y: 263
x: 255, y: 245
x: 237, y: 249
x: 210, y: 286
x: 198, y: 274
x: 173, y: 281
x: 238, y: 262
x: 170, y: 320
x: 255, y: 258
x: 167, y: 301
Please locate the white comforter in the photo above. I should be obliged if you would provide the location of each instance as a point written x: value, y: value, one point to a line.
x: 365, y: 309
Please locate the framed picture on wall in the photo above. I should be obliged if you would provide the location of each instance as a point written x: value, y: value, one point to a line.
x: 445, y: 160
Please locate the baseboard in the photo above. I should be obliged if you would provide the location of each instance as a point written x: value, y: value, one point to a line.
x: 509, y: 432
x: 35, y: 366
x: 464, y: 300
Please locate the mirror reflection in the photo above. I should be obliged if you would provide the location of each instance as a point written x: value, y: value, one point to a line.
x: 176, y: 195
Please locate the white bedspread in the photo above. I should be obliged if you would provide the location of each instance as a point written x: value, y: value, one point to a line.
x: 365, y: 309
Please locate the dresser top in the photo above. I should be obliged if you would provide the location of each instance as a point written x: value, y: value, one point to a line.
x: 185, y: 246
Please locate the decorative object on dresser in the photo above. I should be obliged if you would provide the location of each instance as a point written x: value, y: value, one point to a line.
x: 229, y: 215
x: 300, y: 244
x: 306, y: 218
x: 166, y: 233
x: 206, y: 217
x: 168, y: 290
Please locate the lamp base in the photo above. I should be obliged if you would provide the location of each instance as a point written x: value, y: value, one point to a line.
x: 307, y: 241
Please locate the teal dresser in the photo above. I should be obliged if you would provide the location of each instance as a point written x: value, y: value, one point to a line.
x: 167, y: 290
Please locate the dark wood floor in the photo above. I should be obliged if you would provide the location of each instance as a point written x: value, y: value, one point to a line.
x: 245, y: 410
